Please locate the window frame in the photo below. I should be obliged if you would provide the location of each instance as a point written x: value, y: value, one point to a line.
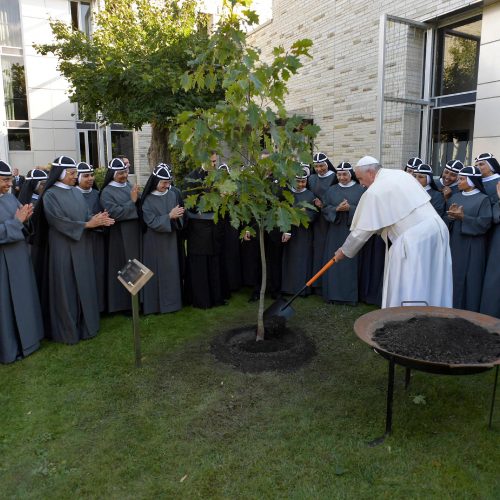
x: 79, y: 23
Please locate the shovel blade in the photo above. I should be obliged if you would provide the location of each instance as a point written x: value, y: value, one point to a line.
x: 278, y: 310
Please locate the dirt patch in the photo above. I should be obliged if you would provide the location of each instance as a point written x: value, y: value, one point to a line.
x: 285, y: 352
x: 442, y: 340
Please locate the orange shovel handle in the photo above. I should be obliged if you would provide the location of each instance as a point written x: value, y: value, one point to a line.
x: 321, y: 271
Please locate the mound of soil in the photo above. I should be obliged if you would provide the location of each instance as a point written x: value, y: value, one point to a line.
x: 285, y: 352
x: 441, y: 340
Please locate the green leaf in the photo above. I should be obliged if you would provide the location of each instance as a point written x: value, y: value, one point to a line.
x: 184, y: 116
x: 252, y: 17
x: 228, y: 187
x: 301, y: 47
x: 284, y: 219
x: 186, y: 81
x: 255, y: 79
x: 288, y: 196
x: 253, y: 114
x: 191, y: 200
x: 419, y: 399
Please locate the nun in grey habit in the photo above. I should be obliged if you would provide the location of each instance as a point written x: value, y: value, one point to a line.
x: 424, y: 175
x: 297, y: 249
x: 318, y: 183
x: 72, y: 293
x: 340, y: 283
x: 468, y: 218
x: 21, y: 324
x: 490, y: 297
x: 119, y: 199
x: 448, y: 183
x: 86, y: 185
x: 161, y: 220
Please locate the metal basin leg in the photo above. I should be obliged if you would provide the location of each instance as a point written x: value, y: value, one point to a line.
x: 388, y: 414
x: 493, y: 398
x: 407, y: 378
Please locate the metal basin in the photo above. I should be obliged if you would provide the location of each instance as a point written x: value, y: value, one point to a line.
x: 366, y: 325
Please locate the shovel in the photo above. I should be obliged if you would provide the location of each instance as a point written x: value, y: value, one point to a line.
x: 282, y: 309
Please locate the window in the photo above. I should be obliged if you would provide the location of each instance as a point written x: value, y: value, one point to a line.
x: 89, y: 152
x: 19, y: 139
x: 458, y: 57
x: 10, y: 24
x: 93, y: 143
x: 14, y: 86
x: 455, y: 87
x: 122, y: 143
x: 81, y: 16
x: 13, y: 76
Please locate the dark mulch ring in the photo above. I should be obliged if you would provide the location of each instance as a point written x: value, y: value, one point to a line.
x: 287, y: 351
x: 441, y: 340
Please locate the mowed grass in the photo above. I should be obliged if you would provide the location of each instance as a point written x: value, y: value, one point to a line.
x: 82, y: 421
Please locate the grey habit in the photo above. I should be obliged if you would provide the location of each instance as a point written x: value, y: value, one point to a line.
x: 21, y: 323
x: 298, y: 251
x: 490, y: 298
x: 319, y: 185
x: 123, y: 242
x: 98, y: 246
x: 437, y: 201
x: 162, y: 293
x: 340, y: 284
x: 468, y: 248
x: 73, y: 305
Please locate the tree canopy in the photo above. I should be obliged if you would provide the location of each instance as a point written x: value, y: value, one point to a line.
x: 129, y: 70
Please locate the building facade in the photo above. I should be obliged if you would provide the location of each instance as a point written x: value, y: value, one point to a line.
x: 394, y: 79
x: 38, y: 122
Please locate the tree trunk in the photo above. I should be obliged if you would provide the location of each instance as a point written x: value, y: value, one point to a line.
x: 260, y: 316
x: 159, y: 151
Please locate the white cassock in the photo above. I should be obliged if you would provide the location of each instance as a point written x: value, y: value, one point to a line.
x: 418, y: 263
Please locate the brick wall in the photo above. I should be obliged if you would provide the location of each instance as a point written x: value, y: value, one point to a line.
x: 338, y: 87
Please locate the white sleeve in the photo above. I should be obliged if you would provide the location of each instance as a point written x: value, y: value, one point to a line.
x: 356, y: 239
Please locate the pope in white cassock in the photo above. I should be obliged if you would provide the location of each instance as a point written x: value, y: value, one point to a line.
x: 418, y: 262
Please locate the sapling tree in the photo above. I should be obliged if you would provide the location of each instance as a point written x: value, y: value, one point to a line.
x: 250, y: 117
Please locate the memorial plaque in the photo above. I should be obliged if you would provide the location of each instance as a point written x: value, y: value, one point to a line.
x: 134, y: 276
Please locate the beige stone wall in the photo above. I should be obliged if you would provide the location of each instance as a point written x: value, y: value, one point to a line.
x: 338, y: 87
x: 486, y: 120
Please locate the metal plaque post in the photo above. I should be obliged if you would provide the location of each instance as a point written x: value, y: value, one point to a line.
x: 133, y: 277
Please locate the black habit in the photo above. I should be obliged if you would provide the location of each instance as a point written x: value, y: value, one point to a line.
x: 204, y: 284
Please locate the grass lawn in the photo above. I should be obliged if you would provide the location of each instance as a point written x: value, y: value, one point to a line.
x: 82, y: 421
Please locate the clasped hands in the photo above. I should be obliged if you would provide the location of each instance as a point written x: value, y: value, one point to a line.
x: 176, y: 212
x: 343, y: 206
x: 99, y: 219
x: 456, y: 212
x: 24, y: 212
